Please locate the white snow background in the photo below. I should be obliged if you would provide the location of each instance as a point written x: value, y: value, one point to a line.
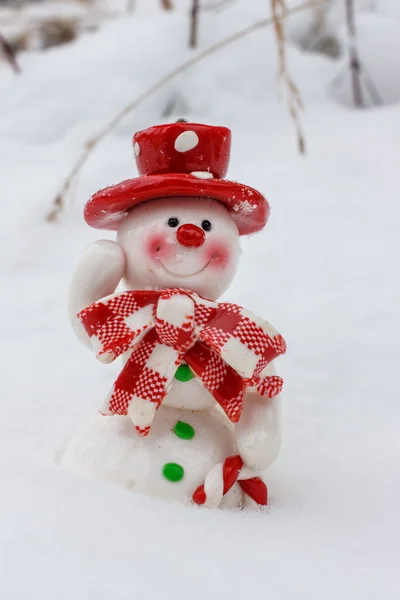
x: 324, y: 272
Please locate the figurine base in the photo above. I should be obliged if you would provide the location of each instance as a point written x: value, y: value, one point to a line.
x: 171, y: 462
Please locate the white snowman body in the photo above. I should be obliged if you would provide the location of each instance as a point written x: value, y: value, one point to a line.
x: 190, y: 243
x: 110, y: 448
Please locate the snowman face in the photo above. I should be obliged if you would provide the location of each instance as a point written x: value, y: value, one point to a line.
x: 180, y: 242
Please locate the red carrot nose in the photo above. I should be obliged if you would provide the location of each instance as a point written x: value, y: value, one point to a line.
x: 190, y: 235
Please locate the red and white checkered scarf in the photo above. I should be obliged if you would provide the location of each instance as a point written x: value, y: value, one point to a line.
x: 226, y: 346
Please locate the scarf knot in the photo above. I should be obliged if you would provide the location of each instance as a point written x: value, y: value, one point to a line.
x: 226, y: 346
x: 174, y: 314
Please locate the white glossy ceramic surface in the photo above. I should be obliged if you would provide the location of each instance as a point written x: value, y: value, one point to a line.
x: 148, y: 255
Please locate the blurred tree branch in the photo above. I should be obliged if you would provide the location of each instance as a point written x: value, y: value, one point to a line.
x: 59, y: 201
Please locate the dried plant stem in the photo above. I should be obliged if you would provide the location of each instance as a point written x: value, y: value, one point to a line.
x: 279, y: 13
x: 354, y: 60
x: 319, y: 12
x: 371, y: 88
x: 9, y: 54
x: 59, y: 201
x: 194, y: 23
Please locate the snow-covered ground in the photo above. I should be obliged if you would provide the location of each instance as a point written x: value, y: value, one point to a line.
x: 324, y: 272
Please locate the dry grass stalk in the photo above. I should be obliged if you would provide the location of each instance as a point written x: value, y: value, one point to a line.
x: 354, y: 60
x: 59, y: 201
x: 279, y: 13
x: 320, y: 20
x: 194, y: 23
x: 9, y: 53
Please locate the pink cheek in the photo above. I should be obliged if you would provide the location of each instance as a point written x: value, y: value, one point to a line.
x: 218, y: 255
x: 157, y: 246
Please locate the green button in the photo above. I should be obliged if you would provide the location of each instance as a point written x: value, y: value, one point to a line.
x: 184, y: 430
x: 184, y: 373
x: 173, y: 472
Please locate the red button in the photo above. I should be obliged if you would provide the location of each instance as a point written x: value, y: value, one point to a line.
x: 190, y: 235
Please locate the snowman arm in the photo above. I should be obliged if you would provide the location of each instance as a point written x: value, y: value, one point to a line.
x: 98, y: 273
x: 258, y: 433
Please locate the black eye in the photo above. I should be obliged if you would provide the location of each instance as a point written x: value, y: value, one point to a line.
x: 206, y: 225
x: 173, y: 222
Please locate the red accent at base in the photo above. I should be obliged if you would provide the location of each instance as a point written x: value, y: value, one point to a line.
x: 256, y: 489
x: 231, y: 470
x: 199, y: 496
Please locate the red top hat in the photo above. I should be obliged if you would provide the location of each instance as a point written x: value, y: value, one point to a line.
x: 175, y: 160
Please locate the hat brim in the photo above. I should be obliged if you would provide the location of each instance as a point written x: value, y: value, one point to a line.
x: 108, y: 207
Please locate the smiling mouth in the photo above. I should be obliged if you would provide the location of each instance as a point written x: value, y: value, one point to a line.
x: 188, y: 274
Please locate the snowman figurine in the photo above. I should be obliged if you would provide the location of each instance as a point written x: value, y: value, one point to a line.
x: 194, y: 414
